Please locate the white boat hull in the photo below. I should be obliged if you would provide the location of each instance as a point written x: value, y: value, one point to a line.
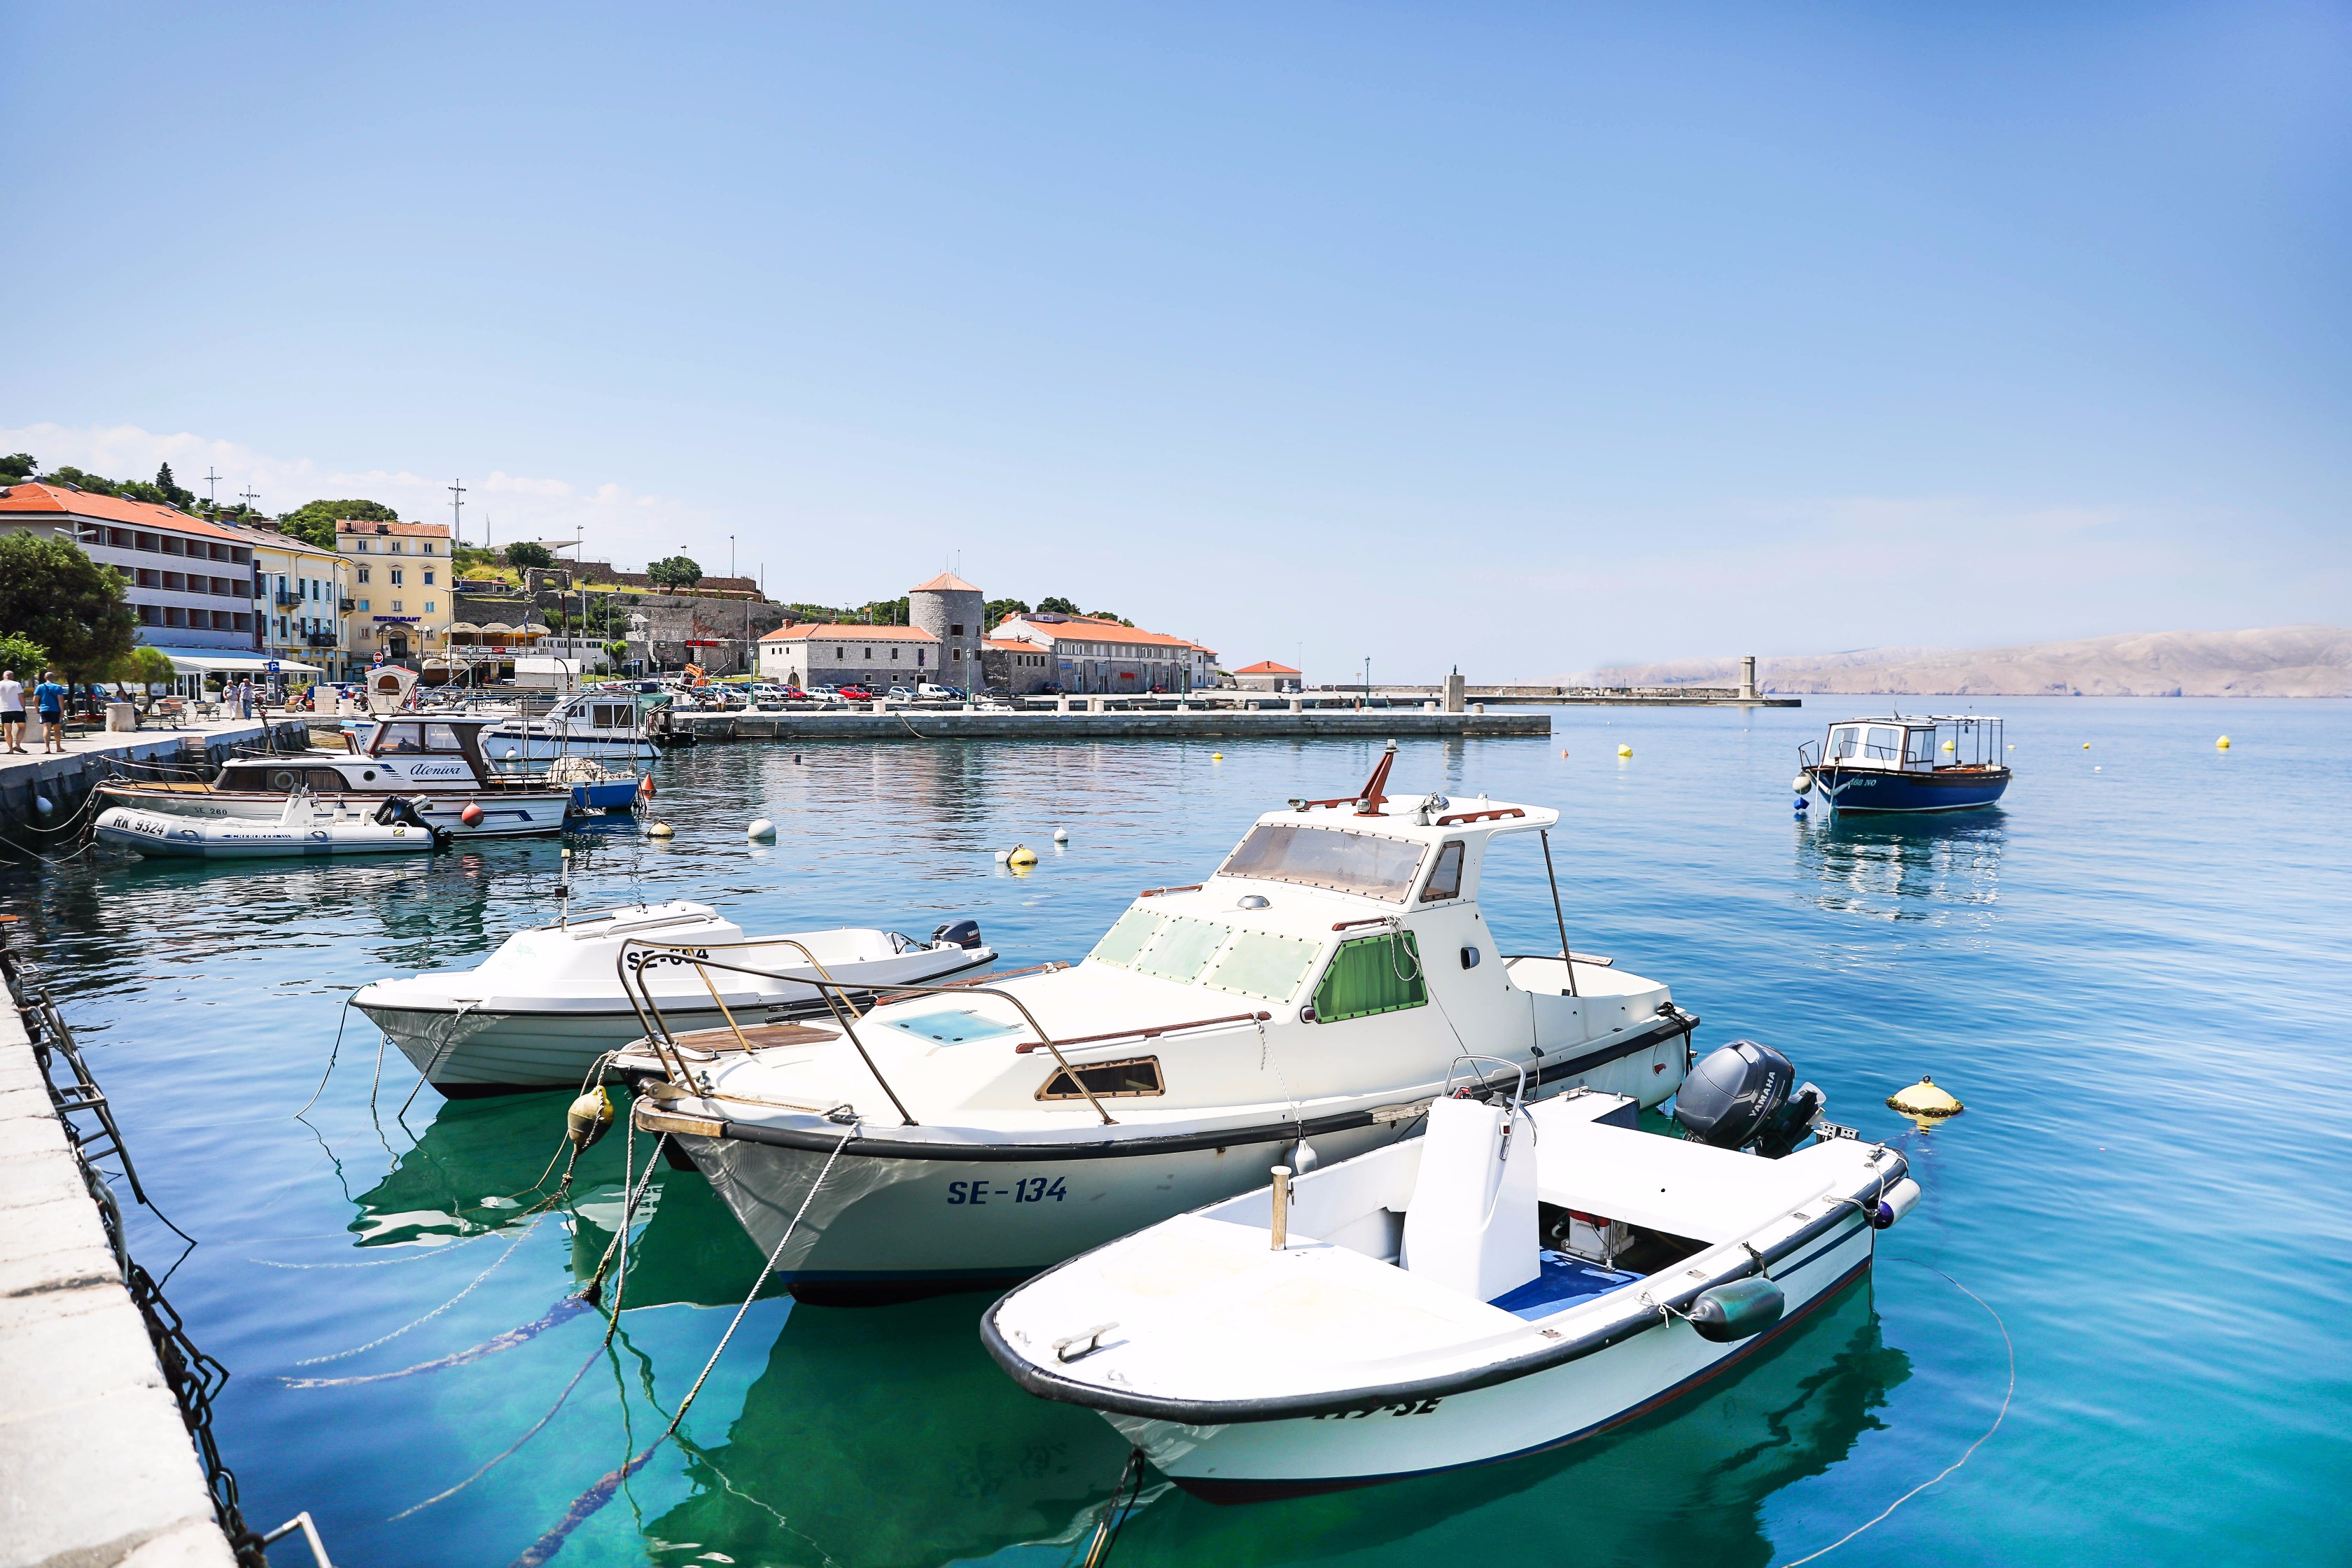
x: 1249, y: 1461
x: 885, y: 1228
x: 165, y: 835
x: 503, y: 814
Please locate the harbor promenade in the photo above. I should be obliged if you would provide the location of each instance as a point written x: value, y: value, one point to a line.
x: 65, y: 781
x: 96, y: 1464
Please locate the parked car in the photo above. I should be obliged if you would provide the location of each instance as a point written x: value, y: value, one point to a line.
x: 854, y: 694
x: 931, y: 693
x: 902, y: 694
x: 824, y: 693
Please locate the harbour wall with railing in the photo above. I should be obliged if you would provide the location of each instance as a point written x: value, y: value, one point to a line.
x: 1108, y: 724
x: 65, y: 780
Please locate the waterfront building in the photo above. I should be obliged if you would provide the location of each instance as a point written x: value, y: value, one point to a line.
x: 1085, y: 654
x: 823, y: 654
x: 191, y: 582
x: 1015, y: 668
x: 403, y: 593
x: 955, y: 614
x: 1267, y: 676
x: 301, y: 597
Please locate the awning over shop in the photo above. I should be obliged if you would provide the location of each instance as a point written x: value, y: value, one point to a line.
x: 204, y: 660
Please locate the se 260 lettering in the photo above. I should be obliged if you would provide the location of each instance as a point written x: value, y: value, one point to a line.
x: 1023, y: 1190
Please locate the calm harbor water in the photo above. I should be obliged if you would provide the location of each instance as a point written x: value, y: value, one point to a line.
x: 2135, y: 973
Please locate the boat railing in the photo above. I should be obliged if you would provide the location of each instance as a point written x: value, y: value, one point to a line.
x: 1809, y: 753
x: 838, y: 998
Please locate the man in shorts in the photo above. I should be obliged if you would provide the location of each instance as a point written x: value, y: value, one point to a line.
x: 50, y: 697
x: 12, y: 711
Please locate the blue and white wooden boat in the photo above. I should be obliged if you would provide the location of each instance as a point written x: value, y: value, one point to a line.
x: 1939, y: 763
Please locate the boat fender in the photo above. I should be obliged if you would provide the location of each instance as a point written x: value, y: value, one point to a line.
x: 588, y: 1119
x: 1897, y: 1201
x: 762, y: 830
x: 43, y: 804
x: 472, y: 816
x: 1803, y: 784
x: 1301, y: 1157
x: 957, y: 933
x: 1737, y: 1310
x: 1062, y: 834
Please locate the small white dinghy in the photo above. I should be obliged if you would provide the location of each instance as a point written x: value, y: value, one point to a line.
x: 1518, y: 1278
x: 540, y: 1011
x: 306, y: 825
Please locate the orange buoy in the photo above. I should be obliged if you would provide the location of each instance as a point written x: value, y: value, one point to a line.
x: 472, y: 816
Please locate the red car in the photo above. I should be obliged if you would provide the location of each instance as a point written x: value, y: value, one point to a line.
x: 857, y: 694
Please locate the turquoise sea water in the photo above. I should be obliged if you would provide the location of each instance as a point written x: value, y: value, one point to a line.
x: 2135, y: 973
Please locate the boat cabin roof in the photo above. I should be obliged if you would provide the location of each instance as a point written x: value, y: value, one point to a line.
x: 1918, y: 721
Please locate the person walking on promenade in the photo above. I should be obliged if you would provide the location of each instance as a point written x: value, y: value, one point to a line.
x: 245, y: 698
x: 12, y: 711
x: 51, y: 698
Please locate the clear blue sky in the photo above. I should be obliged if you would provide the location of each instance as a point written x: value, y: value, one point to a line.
x: 1525, y: 337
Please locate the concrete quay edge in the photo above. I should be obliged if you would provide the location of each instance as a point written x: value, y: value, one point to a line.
x: 1224, y: 724
x: 95, y: 1464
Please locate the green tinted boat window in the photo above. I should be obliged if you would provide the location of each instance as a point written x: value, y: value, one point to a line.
x: 1124, y: 941
x: 1372, y: 974
x: 1264, y: 965
x: 1183, y: 949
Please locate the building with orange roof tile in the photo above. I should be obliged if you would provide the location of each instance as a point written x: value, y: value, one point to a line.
x: 402, y: 592
x: 191, y: 582
x: 1085, y: 654
x: 818, y: 653
x: 1267, y: 676
x: 956, y: 613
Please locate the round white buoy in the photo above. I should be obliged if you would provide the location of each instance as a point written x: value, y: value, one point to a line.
x: 1802, y: 785
x: 661, y: 830
x: 1061, y: 835
x: 762, y: 830
x: 1003, y: 856
x: 2098, y: 770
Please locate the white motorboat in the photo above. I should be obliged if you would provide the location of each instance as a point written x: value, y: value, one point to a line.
x: 306, y: 825
x: 1516, y: 1278
x: 540, y: 1011
x: 436, y: 763
x: 1315, y: 988
x: 597, y: 723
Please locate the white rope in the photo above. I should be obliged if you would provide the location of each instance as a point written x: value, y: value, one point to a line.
x: 1972, y: 1447
x: 387, y: 1339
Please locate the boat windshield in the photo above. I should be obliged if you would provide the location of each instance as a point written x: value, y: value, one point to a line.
x: 407, y: 738
x: 1330, y: 858
x: 1192, y: 950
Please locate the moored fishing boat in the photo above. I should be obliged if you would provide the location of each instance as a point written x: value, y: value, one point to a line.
x: 1939, y: 763
x: 540, y: 1011
x: 308, y: 825
x: 1312, y: 992
x: 435, y: 762
x: 1516, y: 1278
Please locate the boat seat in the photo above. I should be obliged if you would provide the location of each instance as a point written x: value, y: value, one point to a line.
x: 1471, y: 1223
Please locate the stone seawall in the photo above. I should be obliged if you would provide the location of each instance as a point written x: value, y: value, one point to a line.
x: 1222, y: 724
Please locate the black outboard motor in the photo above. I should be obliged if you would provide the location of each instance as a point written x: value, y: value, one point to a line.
x: 1745, y: 1093
x: 963, y: 934
x: 399, y: 809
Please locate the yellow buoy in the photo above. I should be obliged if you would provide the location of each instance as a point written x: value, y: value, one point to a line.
x: 2086, y: 745
x: 661, y: 830
x: 589, y: 1118
x: 1924, y: 1100
x: 2222, y: 744
x: 1021, y: 856
x: 1216, y: 756
x: 1947, y: 745
x: 1625, y: 750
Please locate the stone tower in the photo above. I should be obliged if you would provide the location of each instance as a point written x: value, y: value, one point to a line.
x: 951, y: 610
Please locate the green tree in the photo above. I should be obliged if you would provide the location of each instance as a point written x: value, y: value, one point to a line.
x: 1108, y: 615
x: 141, y: 666
x: 22, y: 655
x: 315, y: 524
x: 18, y: 467
x: 999, y: 608
x: 674, y: 571
x: 1058, y: 606
x: 61, y: 599
x: 172, y: 494
x: 524, y: 553
x: 66, y: 474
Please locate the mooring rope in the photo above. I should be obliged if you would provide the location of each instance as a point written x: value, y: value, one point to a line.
x: 341, y: 1018
x: 1117, y: 1514
x: 563, y: 1311
x: 585, y: 1506
x: 1998, y: 1416
x: 387, y: 1339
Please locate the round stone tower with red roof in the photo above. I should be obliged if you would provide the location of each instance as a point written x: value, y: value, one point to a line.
x: 953, y: 611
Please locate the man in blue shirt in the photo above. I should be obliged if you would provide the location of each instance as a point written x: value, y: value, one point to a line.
x: 51, y: 697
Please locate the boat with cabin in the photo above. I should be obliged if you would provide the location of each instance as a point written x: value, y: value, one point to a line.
x: 434, y: 760
x: 1519, y: 1276
x: 539, y: 1012
x: 1304, y: 1002
x: 606, y: 725
x: 1938, y: 763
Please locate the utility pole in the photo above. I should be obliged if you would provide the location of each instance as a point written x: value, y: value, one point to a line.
x: 250, y: 497
x: 457, y: 515
x: 212, y: 483
x: 730, y: 555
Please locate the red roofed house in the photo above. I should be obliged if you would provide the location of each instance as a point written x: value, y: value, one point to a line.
x: 1083, y: 654
x: 191, y: 581
x: 1267, y: 676
x: 875, y: 657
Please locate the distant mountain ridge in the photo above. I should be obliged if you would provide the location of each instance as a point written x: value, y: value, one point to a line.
x: 2276, y: 661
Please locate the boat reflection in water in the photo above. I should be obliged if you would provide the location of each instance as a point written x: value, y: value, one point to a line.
x: 885, y: 1436
x: 1935, y: 868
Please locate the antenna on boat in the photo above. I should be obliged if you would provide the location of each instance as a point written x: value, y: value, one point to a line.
x: 1369, y: 798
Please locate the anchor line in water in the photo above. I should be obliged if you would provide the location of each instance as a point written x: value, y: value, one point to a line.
x: 1998, y: 1416
x: 585, y: 1506
x: 1117, y: 1512
x: 387, y: 1339
x: 342, y: 1018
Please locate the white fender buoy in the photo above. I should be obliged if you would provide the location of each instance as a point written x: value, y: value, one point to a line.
x: 1801, y: 784
x: 762, y: 830
x: 661, y: 830
x: 1061, y: 835
x: 1003, y: 856
x: 43, y: 804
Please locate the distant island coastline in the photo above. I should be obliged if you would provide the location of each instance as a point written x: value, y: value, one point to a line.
x: 2277, y: 661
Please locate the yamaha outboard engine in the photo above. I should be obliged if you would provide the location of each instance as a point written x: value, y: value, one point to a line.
x: 962, y: 933
x: 399, y: 809
x: 1745, y: 1093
